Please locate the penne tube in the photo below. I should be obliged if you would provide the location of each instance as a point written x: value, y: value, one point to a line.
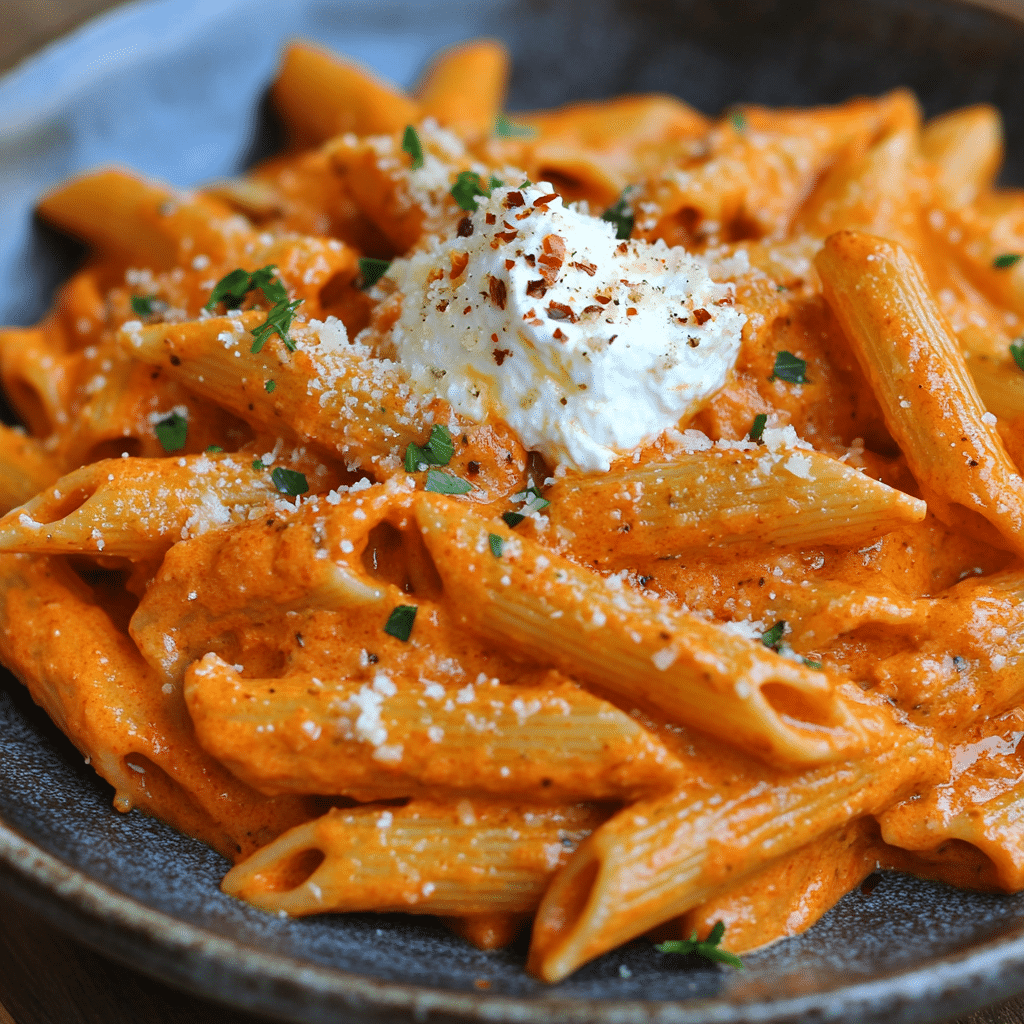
x: 90, y: 679
x: 320, y: 95
x: 966, y: 146
x: 37, y: 378
x: 922, y: 382
x: 488, y: 931
x: 395, y: 736
x: 660, y: 858
x: 722, y: 497
x: 26, y: 467
x: 328, y: 393
x: 145, y: 224
x: 464, y: 87
x: 538, y: 605
x: 468, y: 858
x: 136, y: 508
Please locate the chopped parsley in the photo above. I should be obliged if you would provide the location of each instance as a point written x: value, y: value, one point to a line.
x: 144, y: 305
x: 507, y: 129
x: 466, y: 188
x: 621, y: 215
x: 438, y: 450
x: 411, y: 144
x: 709, y: 948
x: 371, y: 270
x: 1017, y: 351
x: 269, y: 386
x: 172, y: 432
x: 1007, y: 260
x: 278, y: 321
x: 512, y: 519
x: 232, y: 288
x: 213, y: 449
x: 789, y: 368
x: 757, y: 427
x: 773, y: 637
x: 257, y: 464
x: 288, y: 481
x: 534, y: 502
x: 446, y: 483
x: 525, y: 184
x: 399, y: 624
x: 497, y: 543
x: 494, y: 183
x: 811, y: 663
x: 738, y: 120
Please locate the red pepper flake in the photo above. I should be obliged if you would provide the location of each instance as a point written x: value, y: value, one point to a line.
x: 591, y: 309
x: 526, y: 213
x: 603, y: 299
x: 544, y: 200
x: 509, y: 264
x: 558, y: 335
x: 530, y: 258
x: 442, y: 306
x: 631, y: 311
x: 553, y: 258
x: 693, y: 342
x: 501, y: 354
x: 507, y: 236
x: 622, y: 248
x: 536, y: 323
x: 702, y: 316
x: 587, y: 268
x: 560, y: 311
x: 727, y: 301
x: 490, y: 218
x: 465, y: 228
x: 530, y: 312
x: 459, y: 261
x: 564, y: 401
x: 467, y: 311
x: 536, y: 289
x: 498, y: 291
x: 472, y: 468
x: 494, y: 338
x: 514, y: 199
x: 612, y: 338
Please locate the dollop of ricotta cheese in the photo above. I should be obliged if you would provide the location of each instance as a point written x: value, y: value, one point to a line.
x: 586, y: 346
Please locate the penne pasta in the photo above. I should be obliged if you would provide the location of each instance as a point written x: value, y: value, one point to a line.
x: 464, y: 87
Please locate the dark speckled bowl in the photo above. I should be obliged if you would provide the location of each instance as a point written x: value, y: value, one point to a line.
x: 175, y: 89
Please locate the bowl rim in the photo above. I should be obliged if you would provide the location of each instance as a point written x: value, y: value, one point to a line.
x: 237, y: 974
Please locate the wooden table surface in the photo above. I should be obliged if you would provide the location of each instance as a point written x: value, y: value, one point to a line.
x: 46, y: 977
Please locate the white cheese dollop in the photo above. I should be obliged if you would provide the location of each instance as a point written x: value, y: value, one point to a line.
x: 587, y: 347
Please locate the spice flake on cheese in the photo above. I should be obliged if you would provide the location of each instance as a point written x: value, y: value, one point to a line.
x: 536, y: 314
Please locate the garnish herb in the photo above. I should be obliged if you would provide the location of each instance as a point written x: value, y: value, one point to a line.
x: 233, y: 288
x: 1017, y: 351
x: 512, y: 519
x: 525, y: 184
x: 438, y: 450
x: 445, y: 483
x: 171, y: 432
x: 497, y: 543
x: 142, y: 305
x: 411, y: 145
x: 495, y: 183
x: 257, y: 464
x: 213, y: 449
x: 509, y: 130
x: 372, y: 270
x: 269, y: 386
x: 789, y: 368
x: 773, y: 637
x: 399, y: 624
x: 466, y: 188
x: 279, y: 319
x: 709, y: 948
x: 738, y: 120
x: 621, y: 215
x: 534, y: 503
x: 1007, y: 260
x: 811, y: 663
x: 288, y: 481
x: 757, y: 427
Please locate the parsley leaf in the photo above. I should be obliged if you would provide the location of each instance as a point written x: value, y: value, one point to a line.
x: 372, y: 270
x: 738, y: 120
x: 534, y: 502
x: 497, y: 543
x: 709, y: 948
x: 144, y: 305
x: 1007, y: 260
x: 288, y: 481
x: 438, y: 450
x: 1017, y: 351
x: 811, y: 663
x: 446, y: 483
x: 466, y: 188
x: 512, y: 519
x: 213, y: 449
x: 757, y: 427
x: 399, y: 624
x: 508, y: 130
x: 269, y: 386
x: 789, y: 368
x: 257, y: 464
x: 621, y: 215
x: 494, y: 183
x: 411, y: 144
x: 279, y: 319
x: 773, y: 637
x: 233, y: 288
x: 171, y: 432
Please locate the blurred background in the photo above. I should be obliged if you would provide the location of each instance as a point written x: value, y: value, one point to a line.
x: 28, y: 24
